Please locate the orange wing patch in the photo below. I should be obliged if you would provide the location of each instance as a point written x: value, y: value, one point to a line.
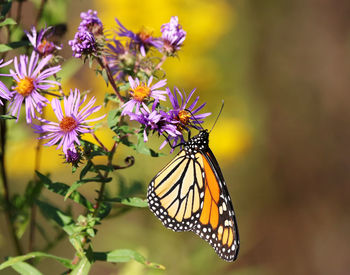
x: 210, y: 211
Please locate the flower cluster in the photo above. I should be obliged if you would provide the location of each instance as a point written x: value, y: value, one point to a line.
x: 90, y: 33
x: 180, y: 117
x: 127, y: 52
x: 40, y: 41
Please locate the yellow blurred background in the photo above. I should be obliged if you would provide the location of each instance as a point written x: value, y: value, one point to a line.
x: 283, y: 139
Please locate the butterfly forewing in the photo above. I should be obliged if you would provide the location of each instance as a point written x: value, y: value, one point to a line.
x: 189, y: 194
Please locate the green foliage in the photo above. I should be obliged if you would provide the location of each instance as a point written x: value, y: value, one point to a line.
x: 33, y: 255
x: 25, y: 269
x: 8, y: 21
x: 12, y: 45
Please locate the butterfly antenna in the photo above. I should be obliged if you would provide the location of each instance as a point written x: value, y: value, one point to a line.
x: 195, y: 119
x: 222, y: 107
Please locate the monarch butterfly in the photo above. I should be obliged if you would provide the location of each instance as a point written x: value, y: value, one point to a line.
x: 190, y: 194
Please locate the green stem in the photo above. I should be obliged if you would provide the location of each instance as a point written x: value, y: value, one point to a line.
x: 8, y: 205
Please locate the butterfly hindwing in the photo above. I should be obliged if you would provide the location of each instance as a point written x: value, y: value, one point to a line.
x: 190, y: 194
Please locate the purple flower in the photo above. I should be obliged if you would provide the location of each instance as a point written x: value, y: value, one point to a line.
x: 72, y: 157
x: 39, y: 41
x: 116, y: 54
x: 141, y: 92
x: 4, y: 91
x: 184, y: 116
x: 156, y: 121
x: 31, y: 77
x: 172, y: 35
x: 71, y: 124
x: 142, y: 41
x: 83, y: 43
x: 90, y: 22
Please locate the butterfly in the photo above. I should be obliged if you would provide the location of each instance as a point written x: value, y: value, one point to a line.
x: 190, y: 194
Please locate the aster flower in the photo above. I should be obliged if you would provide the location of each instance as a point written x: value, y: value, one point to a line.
x: 39, y: 41
x: 184, y: 116
x: 115, y: 55
x: 91, y: 23
x: 84, y: 43
x: 141, y: 41
x: 4, y: 91
x: 173, y: 35
x: 71, y: 124
x: 31, y: 77
x: 140, y: 92
x: 156, y: 121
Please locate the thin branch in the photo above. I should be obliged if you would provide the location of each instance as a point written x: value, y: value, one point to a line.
x: 8, y: 205
x: 40, y: 12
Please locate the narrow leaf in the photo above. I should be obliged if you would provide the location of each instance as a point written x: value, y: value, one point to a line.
x: 8, y: 21
x: 25, y: 269
x: 7, y: 117
x: 85, y: 170
x: 12, y: 260
x: 136, y: 202
x: 12, y: 45
x: 63, y: 220
x: 125, y: 255
x: 63, y: 190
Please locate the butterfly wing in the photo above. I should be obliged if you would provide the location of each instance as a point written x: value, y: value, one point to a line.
x: 190, y: 194
x: 174, y: 193
x: 217, y: 223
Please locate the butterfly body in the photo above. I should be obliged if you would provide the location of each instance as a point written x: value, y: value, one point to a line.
x: 190, y: 194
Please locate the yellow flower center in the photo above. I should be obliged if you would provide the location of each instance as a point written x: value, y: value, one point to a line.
x: 68, y: 124
x: 141, y: 92
x: 25, y: 86
x: 184, y: 116
x: 145, y: 33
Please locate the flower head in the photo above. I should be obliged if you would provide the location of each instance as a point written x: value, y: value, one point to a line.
x: 91, y: 23
x: 185, y: 116
x: 4, y: 91
x: 71, y: 124
x: 117, y: 56
x: 156, y: 121
x: 31, y: 78
x: 140, y: 92
x: 173, y: 35
x: 142, y: 41
x: 84, y: 43
x: 40, y: 41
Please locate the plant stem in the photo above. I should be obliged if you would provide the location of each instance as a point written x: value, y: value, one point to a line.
x: 19, y: 12
x: 8, y: 206
x: 40, y: 12
x: 104, y: 65
x: 161, y: 62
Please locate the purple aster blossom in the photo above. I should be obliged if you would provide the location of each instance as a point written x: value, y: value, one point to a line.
x: 90, y: 22
x: 172, y: 35
x: 4, y: 91
x: 141, y: 92
x: 31, y: 76
x: 73, y: 157
x: 156, y: 121
x: 141, y: 41
x: 84, y: 43
x: 39, y: 41
x: 185, y: 116
x: 115, y: 54
x: 66, y: 132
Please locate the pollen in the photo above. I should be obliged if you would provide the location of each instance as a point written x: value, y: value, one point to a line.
x: 25, y: 86
x: 145, y: 34
x: 68, y: 124
x: 46, y: 47
x: 141, y: 92
x: 184, y: 116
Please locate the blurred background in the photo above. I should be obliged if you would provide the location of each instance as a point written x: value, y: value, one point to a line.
x: 283, y: 139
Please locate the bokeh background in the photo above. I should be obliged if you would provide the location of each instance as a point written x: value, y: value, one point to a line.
x: 283, y: 139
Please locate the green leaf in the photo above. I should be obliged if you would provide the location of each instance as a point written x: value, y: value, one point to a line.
x: 25, y: 269
x: 85, y: 169
x: 104, y: 210
x: 136, y: 202
x: 13, y: 260
x: 82, y: 268
x: 7, y: 117
x: 125, y: 255
x: 113, y: 118
x: 64, y: 190
x: 143, y: 149
x: 12, y: 45
x: 8, y: 21
x: 6, y: 7
x: 63, y: 220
